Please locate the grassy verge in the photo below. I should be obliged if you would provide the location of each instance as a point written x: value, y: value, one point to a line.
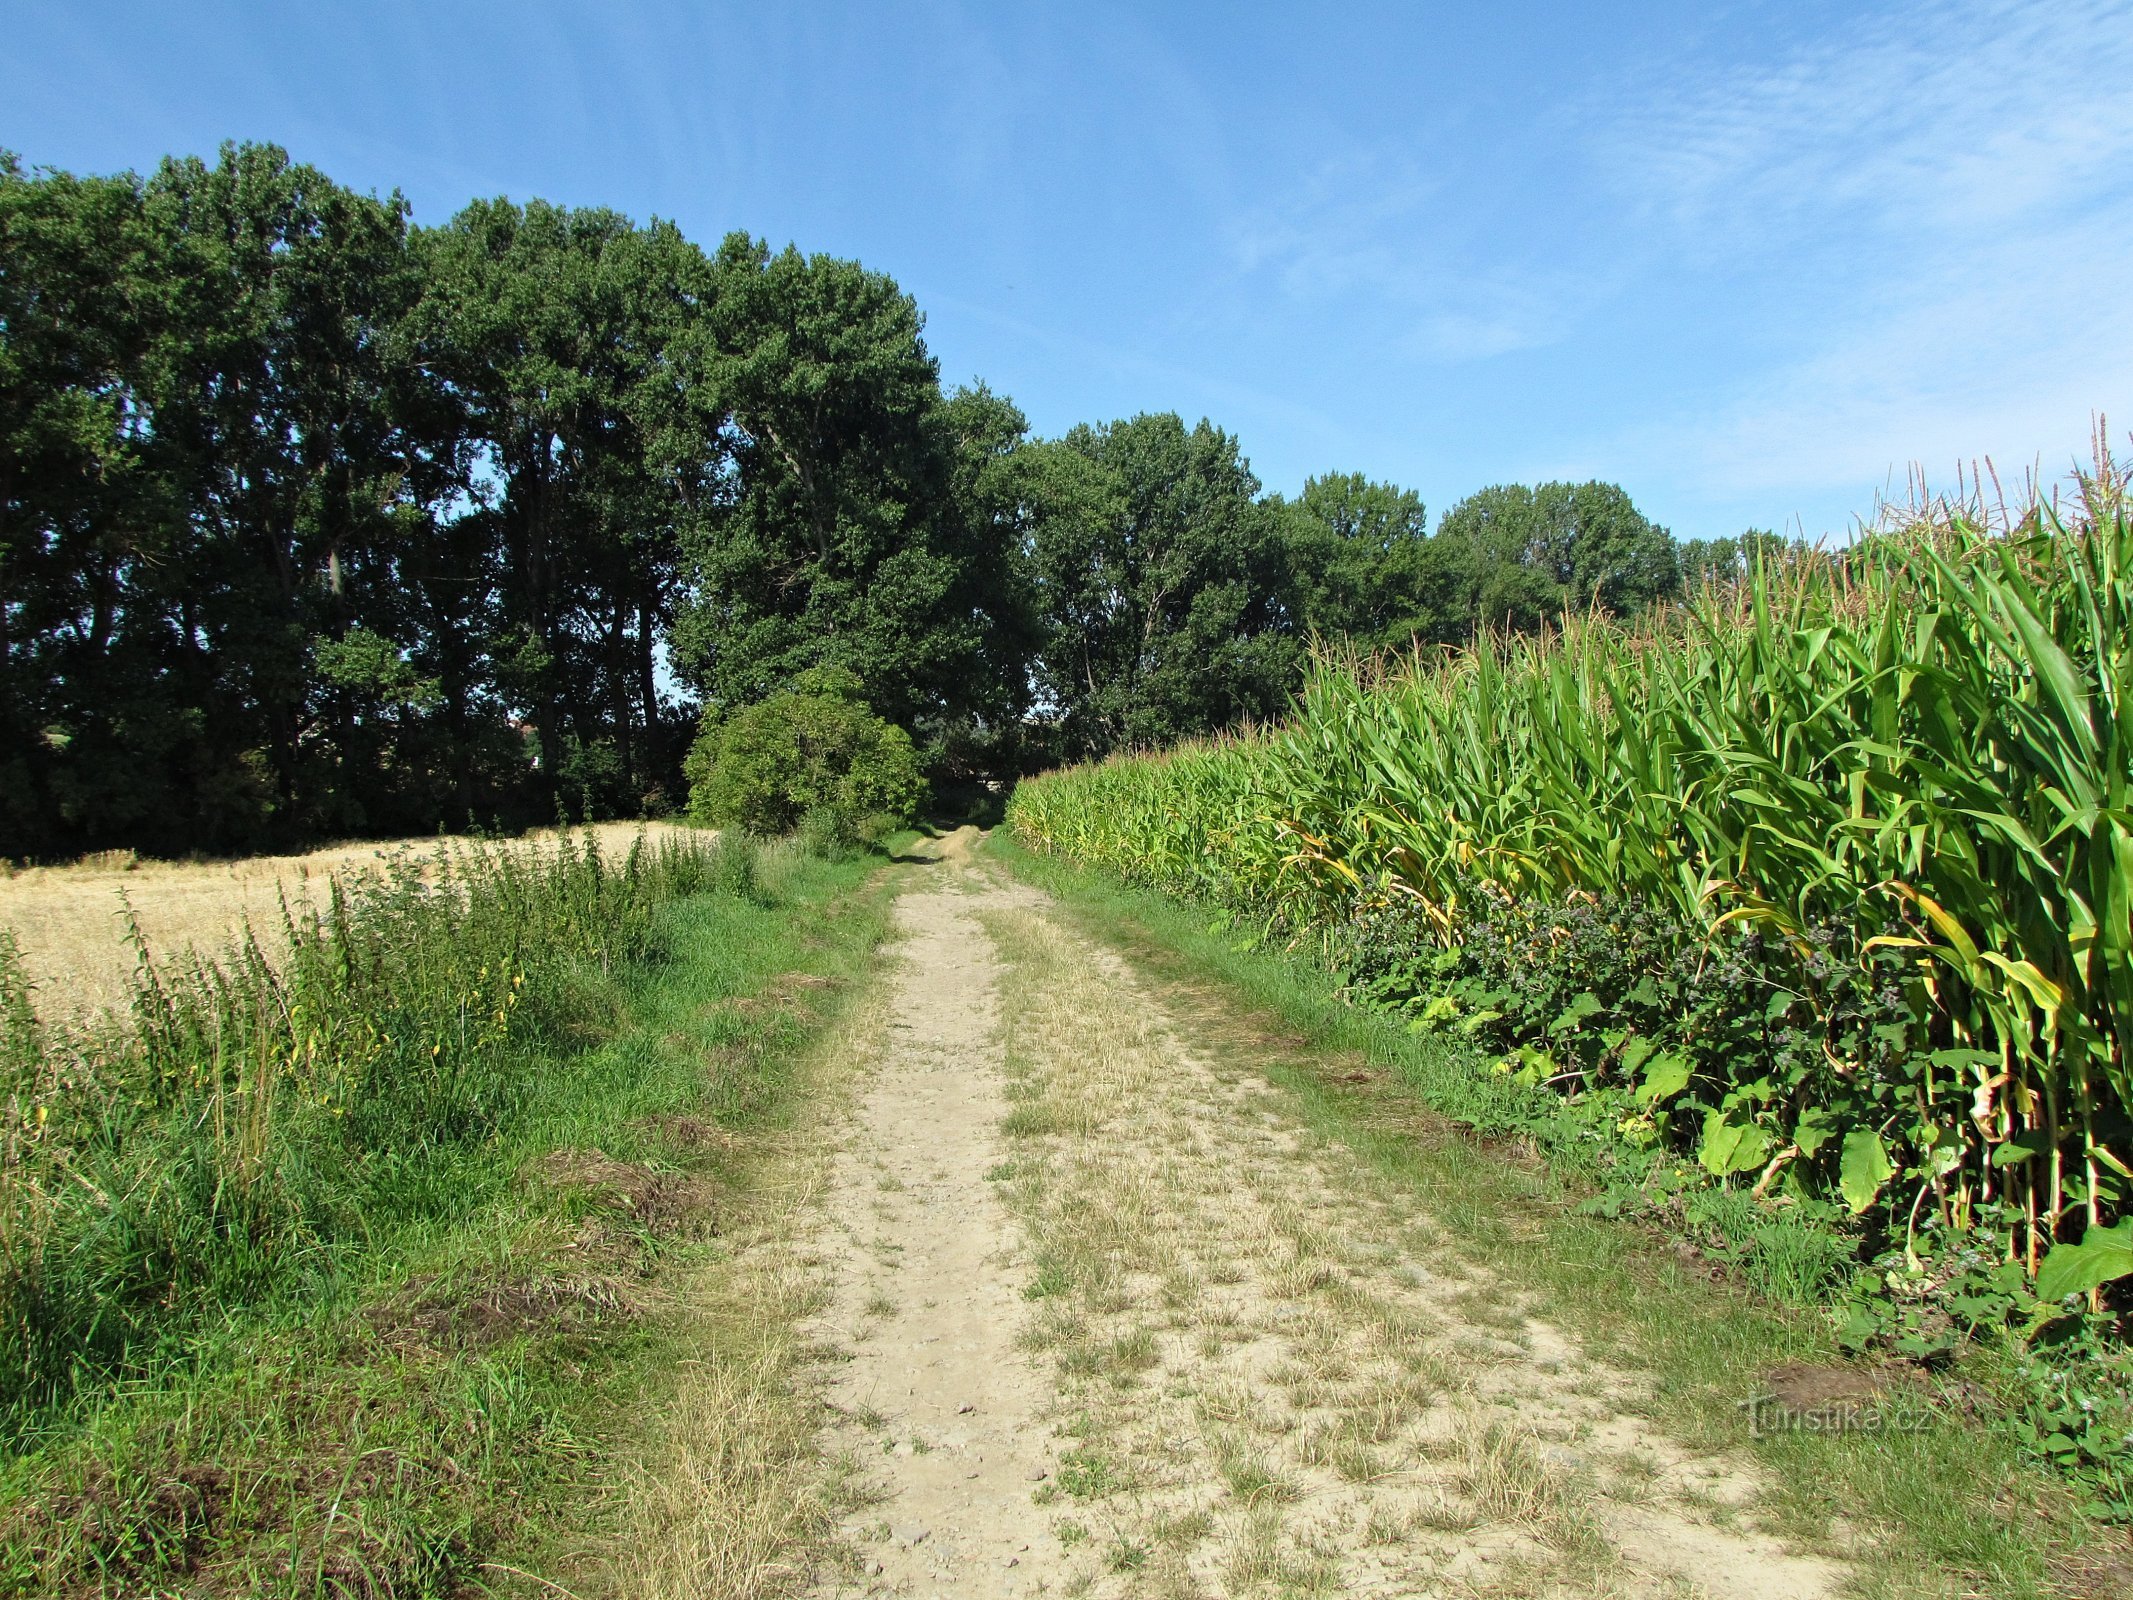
x: 451, y: 1400
x: 1947, y: 1508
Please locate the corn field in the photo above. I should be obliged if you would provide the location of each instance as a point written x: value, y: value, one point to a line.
x: 1903, y: 766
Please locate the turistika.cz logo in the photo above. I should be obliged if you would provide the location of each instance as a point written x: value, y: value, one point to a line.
x: 1768, y: 1414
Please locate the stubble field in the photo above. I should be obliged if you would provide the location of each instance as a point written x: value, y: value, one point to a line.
x: 70, y: 922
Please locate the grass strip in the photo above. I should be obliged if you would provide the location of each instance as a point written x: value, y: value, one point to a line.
x: 1946, y: 1508
x: 461, y: 1419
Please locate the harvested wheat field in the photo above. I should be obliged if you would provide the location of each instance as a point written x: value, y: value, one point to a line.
x: 70, y: 922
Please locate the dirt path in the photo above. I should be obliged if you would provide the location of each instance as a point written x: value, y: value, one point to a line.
x: 1112, y: 1322
x: 939, y: 1406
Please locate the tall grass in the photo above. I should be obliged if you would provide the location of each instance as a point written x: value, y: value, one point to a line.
x: 1903, y: 769
x: 254, y: 1126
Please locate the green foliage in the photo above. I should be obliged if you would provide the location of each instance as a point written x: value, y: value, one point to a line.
x: 733, y: 866
x: 2104, y: 1255
x: 254, y: 1128
x: 1366, y: 570
x: 434, y: 1384
x: 1163, y: 583
x: 813, y: 754
x: 1529, y: 556
x: 1886, y: 797
x: 314, y: 523
x: 855, y: 527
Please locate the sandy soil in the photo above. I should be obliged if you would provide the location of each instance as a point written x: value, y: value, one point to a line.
x: 1105, y: 1319
x: 941, y: 1413
x: 70, y: 921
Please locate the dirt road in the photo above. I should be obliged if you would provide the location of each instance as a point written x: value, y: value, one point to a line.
x: 1109, y: 1320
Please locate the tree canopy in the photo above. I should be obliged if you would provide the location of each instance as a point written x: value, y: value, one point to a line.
x: 1527, y: 555
x: 847, y: 529
x: 315, y: 522
x: 1365, y: 568
x: 1161, y: 582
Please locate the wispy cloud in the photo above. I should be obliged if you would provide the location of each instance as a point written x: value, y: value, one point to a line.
x: 1903, y: 238
x: 1947, y: 191
x: 1953, y: 114
x: 1377, y: 230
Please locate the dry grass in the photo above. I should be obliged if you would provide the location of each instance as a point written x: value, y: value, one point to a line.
x: 1333, y: 1408
x: 726, y: 1505
x: 70, y: 921
x: 730, y: 1495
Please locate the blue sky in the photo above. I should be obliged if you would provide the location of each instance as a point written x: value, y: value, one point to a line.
x: 1749, y: 260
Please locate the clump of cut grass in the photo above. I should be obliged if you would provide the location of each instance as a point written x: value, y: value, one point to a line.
x: 1249, y: 1475
x: 725, y: 1499
x: 733, y: 865
x: 1507, y: 1478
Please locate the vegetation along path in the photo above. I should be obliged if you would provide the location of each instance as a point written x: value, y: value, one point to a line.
x: 1113, y: 1318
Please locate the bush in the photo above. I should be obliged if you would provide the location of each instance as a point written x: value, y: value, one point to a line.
x: 815, y: 753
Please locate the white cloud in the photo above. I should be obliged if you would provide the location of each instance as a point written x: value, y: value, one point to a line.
x: 1955, y: 114
x: 1951, y: 187
x: 1374, y: 229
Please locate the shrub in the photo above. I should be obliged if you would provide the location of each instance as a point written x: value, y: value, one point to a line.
x: 813, y: 752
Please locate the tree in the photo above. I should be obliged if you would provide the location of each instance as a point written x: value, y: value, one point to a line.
x: 839, y: 536
x: 1365, y: 569
x: 1530, y: 554
x: 1161, y: 580
x: 565, y: 336
x: 76, y: 505
x: 1708, y: 561
x: 314, y: 523
x: 219, y: 356
x: 269, y: 387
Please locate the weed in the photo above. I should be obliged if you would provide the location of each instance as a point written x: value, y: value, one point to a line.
x: 1085, y: 1474
x: 380, y: 1310
x: 1127, y: 1555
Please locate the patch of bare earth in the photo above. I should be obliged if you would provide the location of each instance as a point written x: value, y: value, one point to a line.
x: 942, y: 1420
x: 1276, y: 1377
x: 1105, y: 1319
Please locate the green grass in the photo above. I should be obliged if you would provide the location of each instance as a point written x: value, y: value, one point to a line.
x: 446, y: 1406
x: 1952, y: 1509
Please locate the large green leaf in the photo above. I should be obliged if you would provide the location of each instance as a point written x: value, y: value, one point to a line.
x: 1666, y: 1076
x: 2104, y: 1255
x: 1730, y: 1146
x: 1863, y: 1169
